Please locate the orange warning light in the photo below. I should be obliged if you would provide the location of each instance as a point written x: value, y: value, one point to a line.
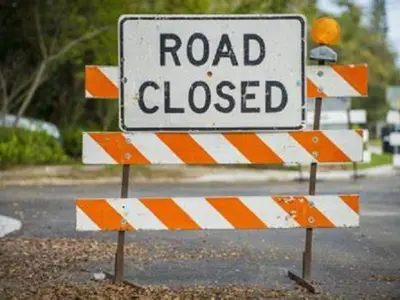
x: 326, y: 31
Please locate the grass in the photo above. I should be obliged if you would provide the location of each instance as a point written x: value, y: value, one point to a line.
x: 81, y: 172
x: 377, y: 160
x: 116, y: 171
x: 375, y: 142
x: 142, y: 171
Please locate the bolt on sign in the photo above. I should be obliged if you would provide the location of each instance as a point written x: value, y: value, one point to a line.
x: 236, y: 73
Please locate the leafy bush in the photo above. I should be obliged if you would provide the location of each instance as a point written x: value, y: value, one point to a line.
x: 23, y: 147
x: 72, y: 141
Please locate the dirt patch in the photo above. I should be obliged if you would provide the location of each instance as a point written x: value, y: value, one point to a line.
x: 94, y: 290
x: 36, y: 268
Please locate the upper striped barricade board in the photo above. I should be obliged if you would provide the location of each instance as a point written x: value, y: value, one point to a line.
x: 322, y: 81
x: 331, y: 146
x: 199, y: 213
x: 337, y: 81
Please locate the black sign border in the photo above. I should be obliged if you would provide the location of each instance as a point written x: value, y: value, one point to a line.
x: 124, y: 128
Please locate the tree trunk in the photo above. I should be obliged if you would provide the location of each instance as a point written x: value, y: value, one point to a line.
x: 31, y: 92
x: 4, y: 111
x: 5, y: 100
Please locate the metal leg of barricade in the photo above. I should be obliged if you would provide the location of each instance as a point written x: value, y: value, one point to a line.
x: 304, y: 280
x: 119, y: 255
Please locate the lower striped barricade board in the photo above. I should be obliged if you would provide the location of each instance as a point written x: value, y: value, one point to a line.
x: 330, y: 146
x: 199, y: 213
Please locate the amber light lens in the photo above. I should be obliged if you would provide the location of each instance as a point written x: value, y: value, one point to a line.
x: 326, y: 31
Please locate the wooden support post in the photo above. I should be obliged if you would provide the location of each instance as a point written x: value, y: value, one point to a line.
x: 119, y: 255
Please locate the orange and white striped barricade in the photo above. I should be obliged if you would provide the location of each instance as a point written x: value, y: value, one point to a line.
x: 216, y: 134
x: 367, y: 156
x: 322, y: 81
x: 394, y: 141
x: 330, y: 146
x: 201, y: 213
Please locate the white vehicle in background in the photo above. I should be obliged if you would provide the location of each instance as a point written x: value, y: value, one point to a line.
x: 31, y: 124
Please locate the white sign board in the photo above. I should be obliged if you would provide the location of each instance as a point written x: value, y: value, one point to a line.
x: 210, y: 72
x: 357, y: 116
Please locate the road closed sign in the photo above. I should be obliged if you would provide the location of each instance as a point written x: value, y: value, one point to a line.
x: 212, y: 73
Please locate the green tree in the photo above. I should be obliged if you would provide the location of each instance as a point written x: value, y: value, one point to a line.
x: 362, y: 44
x: 44, y: 35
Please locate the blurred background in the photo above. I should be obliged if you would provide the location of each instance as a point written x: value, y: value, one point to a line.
x: 46, y: 44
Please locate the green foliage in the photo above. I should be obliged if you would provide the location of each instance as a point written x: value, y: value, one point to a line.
x: 363, y: 44
x: 60, y: 98
x: 378, y: 160
x: 72, y: 141
x: 24, y: 147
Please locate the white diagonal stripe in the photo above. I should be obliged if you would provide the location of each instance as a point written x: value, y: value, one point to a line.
x: 336, y: 210
x: 136, y: 214
x: 330, y: 83
x: 203, y: 213
x: 153, y: 148
x: 93, y: 153
x: 88, y: 95
x: 349, y: 141
x: 219, y: 148
x: 84, y: 223
x: 8, y: 225
x: 111, y: 73
x: 288, y: 149
x: 268, y: 211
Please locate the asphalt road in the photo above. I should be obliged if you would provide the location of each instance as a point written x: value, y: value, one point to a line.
x: 353, y: 262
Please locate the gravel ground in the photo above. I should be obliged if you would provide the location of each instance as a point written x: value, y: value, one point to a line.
x: 40, y: 268
x: 49, y: 257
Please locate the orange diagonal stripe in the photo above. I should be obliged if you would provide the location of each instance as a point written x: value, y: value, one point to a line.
x: 352, y: 201
x: 103, y: 215
x: 121, y: 150
x: 98, y: 85
x: 236, y: 213
x: 355, y: 75
x: 253, y: 148
x: 304, y: 213
x: 319, y: 146
x: 186, y: 148
x: 169, y: 213
x: 312, y: 90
